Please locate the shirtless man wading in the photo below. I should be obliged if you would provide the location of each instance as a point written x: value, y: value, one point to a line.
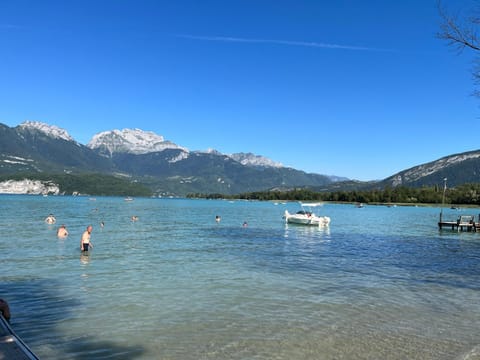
x: 85, y: 241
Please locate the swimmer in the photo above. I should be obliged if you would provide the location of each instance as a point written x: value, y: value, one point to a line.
x: 62, y: 231
x: 245, y: 224
x: 134, y: 218
x: 50, y: 219
x: 85, y: 243
x: 218, y: 218
x: 102, y: 224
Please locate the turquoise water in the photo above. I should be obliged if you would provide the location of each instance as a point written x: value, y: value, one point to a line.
x: 380, y: 283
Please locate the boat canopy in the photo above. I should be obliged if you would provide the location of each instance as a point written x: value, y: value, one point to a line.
x: 311, y: 204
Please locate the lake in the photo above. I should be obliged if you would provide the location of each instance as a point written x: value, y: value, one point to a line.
x: 379, y: 283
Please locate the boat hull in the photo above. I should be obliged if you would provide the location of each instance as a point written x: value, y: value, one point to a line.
x: 309, y: 220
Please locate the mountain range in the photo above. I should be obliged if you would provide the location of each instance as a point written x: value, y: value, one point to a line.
x: 144, y: 157
x: 167, y: 168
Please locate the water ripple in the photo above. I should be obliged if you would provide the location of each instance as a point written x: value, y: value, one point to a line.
x: 178, y: 285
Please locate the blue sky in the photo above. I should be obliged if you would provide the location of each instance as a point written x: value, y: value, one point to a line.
x: 355, y: 88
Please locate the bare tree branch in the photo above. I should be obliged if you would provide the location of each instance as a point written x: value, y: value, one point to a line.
x: 460, y: 34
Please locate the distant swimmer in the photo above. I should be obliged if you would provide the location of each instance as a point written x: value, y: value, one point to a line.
x: 102, y: 224
x: 50, y: 219
x: 62, y: 231
x: 245, y: 224
x: 85, y: 242
x: 134, y: 218
x: 218, y: 218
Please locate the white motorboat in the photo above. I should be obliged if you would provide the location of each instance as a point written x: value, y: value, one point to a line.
x: 306, y: 216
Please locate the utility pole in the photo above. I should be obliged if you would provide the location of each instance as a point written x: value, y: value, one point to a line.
x: 443, y: 197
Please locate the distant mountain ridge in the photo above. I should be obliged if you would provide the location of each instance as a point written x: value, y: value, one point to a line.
x: 452, y: 170
x: 255, y: 160
x: 144, y: 157
x: 458, y: 169
x: 137, y: 141
x: 167, y: 168
x: 50, y: 130
x: 37, y: 147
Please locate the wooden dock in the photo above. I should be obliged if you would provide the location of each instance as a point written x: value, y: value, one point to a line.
x: 463, y: 223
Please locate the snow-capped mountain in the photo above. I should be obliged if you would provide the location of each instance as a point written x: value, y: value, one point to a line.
x: 137, y: 141
x: 38, y: 147
x: 254, y: 160
x: 210, y: 151
x: 132, y: 141
x: 142, y: 157
x: 35, y: 147
x: 247, y: 159
x: 50, y: 130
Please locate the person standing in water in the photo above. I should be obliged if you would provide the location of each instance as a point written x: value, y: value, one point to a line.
x: 85, y: 242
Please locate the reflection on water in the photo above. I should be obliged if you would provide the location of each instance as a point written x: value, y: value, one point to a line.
x: 301, y: 231
x: 179, y: 285
x: 85, y: 257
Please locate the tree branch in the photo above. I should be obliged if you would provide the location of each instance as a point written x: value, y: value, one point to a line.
x: 456, y: 33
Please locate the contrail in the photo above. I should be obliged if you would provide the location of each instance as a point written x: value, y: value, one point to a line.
x: 9, y: 26
x: 281, y: 42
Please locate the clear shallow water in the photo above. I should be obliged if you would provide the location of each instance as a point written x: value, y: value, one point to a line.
x: 380, y: 283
